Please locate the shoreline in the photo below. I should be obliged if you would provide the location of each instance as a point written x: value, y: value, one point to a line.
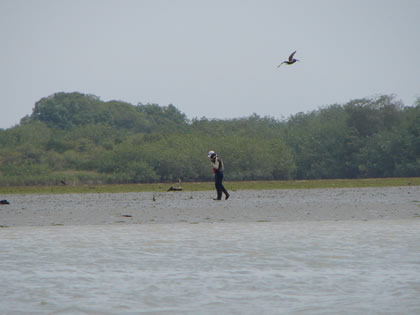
x: 193, y: 207
x: 209, y: 186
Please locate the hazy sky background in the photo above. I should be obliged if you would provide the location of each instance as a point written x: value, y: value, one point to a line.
x: 209, y: 58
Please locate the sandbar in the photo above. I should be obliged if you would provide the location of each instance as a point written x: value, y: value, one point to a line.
x: 331, y: 204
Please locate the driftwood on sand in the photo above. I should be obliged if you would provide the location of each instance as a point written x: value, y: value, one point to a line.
x: 172, y: 188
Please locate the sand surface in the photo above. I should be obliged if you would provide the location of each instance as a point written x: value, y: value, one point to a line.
x: 363, y: 204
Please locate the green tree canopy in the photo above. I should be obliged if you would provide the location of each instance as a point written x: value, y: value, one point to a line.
x: 80, y: 138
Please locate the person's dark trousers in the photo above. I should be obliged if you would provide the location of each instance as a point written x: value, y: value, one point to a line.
x: 219, y: 185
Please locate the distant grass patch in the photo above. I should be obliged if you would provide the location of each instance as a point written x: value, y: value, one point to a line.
x: 242, y: 185
x: 325, y: 183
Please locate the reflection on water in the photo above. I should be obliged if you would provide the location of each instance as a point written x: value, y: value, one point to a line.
x: 313, y: 267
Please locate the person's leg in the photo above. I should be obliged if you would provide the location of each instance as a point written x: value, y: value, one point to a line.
x: 222, y: 188
x: 219, y: 178
x: 225, y: 192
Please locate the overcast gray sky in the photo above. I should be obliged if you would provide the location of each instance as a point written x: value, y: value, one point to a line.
x: 209, y: 58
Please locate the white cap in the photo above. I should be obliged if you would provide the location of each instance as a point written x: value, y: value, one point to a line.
x: 211, y: 153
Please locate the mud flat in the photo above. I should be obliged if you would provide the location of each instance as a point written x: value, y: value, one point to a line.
x: 336, y: 204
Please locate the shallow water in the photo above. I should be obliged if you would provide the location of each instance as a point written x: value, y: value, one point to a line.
x: 221, y: 268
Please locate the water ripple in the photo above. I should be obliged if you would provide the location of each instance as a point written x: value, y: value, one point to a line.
x: 244, y: 268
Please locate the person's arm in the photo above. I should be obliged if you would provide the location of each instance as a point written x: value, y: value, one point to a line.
x: 215, y: 164
x: 220, y: 167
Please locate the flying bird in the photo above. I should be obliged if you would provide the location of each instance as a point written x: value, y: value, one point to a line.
x: 291, y: 60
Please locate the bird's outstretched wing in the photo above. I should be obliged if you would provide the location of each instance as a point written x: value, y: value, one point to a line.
x: 291, y: 56
x: 281, y: 64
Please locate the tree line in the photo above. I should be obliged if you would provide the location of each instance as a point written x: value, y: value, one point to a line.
x: 77, y: 138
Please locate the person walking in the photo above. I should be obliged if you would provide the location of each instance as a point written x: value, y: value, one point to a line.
x: 218, y: 169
